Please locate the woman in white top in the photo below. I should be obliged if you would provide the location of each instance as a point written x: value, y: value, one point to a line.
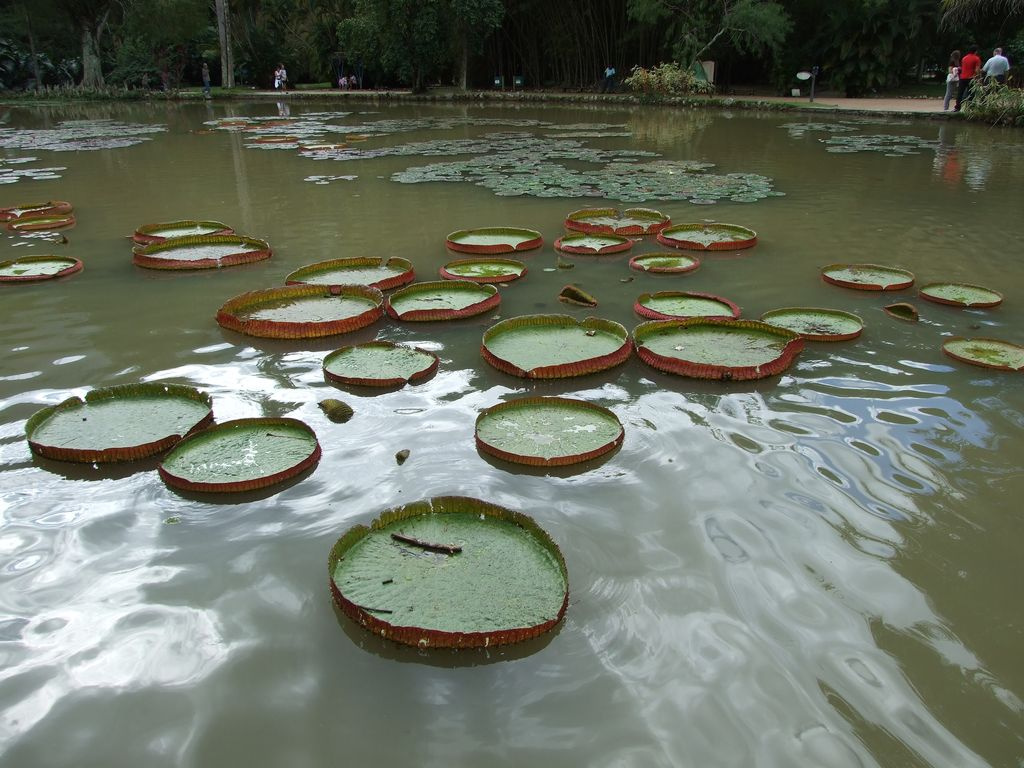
x: 952, y: 78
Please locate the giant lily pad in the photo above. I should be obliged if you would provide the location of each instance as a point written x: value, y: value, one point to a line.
x: 494, y: 240
x: 450, y: 572
x: 547, y: 431
x: 32, y: 223
x: 668, y: 305
x: 961, y: 295
x: 201, y: 252
x: 712, y: 348
x: 555, y: 346
x: 442, y: 300
x: 382, y: 273
x: 610, y: 221
x: 120, y: 423
x: 664, y: 262
x: 241, y: 455
x: 379, y: 364
x: 484, y: 270
x: 48, y: 208
x: 302, y: 311
x: 580, y: 242
x: 157, y: 233
x: 987, y: 353
x: 816, y: 324
x: 867, y: 277
x: 38, y: 268
x: 708, y: 237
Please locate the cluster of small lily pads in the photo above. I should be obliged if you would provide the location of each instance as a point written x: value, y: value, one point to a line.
x: 79, y: 136
x: 9, y: 175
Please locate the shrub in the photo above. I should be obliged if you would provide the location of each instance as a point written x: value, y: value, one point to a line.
x: 995, y: 104
x: 664, y: 81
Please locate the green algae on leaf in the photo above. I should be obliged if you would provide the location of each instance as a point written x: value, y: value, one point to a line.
x: 382, y: 273
x: 547, y: 431
x: 555, y: 346
x: 987, y: 353
x: 708, y: 236
x: 665, y: 305
x: 664, y: 262
x: 379, y: 364
x: 441, y: 300
x: 120, y: 423
x: 241, y: 455
x: 494, y: 240
x: 867, y: 277
x: 582, y: 242
x: 302, y: 311
x: 505, y: 580
x: 32, y: 268
x: 484, y: 270
x: 961, y: 295
x: 816, y: 323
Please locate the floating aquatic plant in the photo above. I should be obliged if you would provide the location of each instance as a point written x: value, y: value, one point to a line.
x: 379, y: 364
x: 32, y: 268
x: 816, y: 323
x: 555, y: 346
x: 12, y: 175
x: 987, y: 353
x: 961, y: 295
x: 79, y: 136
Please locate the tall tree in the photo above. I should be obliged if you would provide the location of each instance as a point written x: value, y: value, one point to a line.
x: 227, y: 55
x: 91, y: 18
x: 404, y: 35
x: 472, y: 21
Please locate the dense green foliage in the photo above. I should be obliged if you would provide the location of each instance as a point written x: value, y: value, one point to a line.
x: 665, y: 80
x: 996, y: 104
x: 860, y: 46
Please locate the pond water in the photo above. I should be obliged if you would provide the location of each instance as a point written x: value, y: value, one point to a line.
x: 815, y: 569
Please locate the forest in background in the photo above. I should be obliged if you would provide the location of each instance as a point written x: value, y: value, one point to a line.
x: 860, y: 46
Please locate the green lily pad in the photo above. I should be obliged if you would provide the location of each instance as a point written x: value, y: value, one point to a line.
x: 555, y: 346
x: 379, y: 364
x: 593, y: 244
x: 494, y: 240
x: 38, y: 268
x: 302, y: 311
x: 867, y: 277
x: 666, y: 305
x: 492, y: 270
x: 610, y: 221
x: 961, y: 295
x: 816, y: 324
x: 711, y: 348
x: 450, y: 572
x: 241, y: 455
x: 37, y: 223
x: 120, y: 423
x: 547, y: 431
x: 442, y: 300
x: 987, y: 353
x: 710, y: 236
x: 48, y: 208
x: 381, y: 273
x: 201, y: 252
x: 157, y: 233
x: 664, y: 262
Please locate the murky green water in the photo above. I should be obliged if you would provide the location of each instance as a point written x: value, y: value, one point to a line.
x: 818, y: 569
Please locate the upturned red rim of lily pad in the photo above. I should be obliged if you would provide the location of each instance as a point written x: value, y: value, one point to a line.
x: 149, y: 233
x: 253, y: 313
x: 69, y: 266
x: 472, y: 299
x: 71, y: 420
x: 730, y: 309
x: 958, y: 295
x: 494, y: 240
x: 816, y: 323
x: 506, y: 270
x: 386, y: 620
x: 653, y: 221
x: 677, y: 263
x: 592, y: 244
x: 160, y: 255
x: 502, y: 412
x: 685, y: 236
x: 684, y: 365
x: 867, y: 277
x: 48, y: 208
x: 41, y: 222
x: 986, y: 353
x: 200, y: 472
x: 396, y: 272
x: 385, y: 376
x: 615, y: 351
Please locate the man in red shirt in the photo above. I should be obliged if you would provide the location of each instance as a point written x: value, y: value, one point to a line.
x: 969, y: 66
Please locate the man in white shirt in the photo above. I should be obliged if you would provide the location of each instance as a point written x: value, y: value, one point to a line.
x: 997, y: 66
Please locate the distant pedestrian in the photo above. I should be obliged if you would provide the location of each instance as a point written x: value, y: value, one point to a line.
x: 970, y: 64
x: 281, y: 78
x: 206, y: 80
x: 997, y: 66
x: 952, y: 78
x: 609, y: 79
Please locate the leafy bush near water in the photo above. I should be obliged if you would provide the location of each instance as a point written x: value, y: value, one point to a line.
x: 996, y: 104
x: 664, y: 81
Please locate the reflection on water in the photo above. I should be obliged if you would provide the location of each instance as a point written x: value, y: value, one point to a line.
x: 816, y: 569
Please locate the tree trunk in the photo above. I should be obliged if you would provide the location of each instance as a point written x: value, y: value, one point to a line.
x: 227, y: 54
x: 464, y: 61
x: 32, y: 49
x: 92, y: 71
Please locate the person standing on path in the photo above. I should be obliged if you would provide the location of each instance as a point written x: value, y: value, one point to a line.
x: 609, y: 79
x: 952, y: 79
x: 206, y: 80
x: 997, y: 66
x: 969, y: 66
